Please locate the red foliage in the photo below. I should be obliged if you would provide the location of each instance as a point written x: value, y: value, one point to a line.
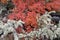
x: 33, y: 8
x: 37, y: 7
x: 29, y: 29
x: 27, y: 10
x: 54, y: 5
x: 19, y: 30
